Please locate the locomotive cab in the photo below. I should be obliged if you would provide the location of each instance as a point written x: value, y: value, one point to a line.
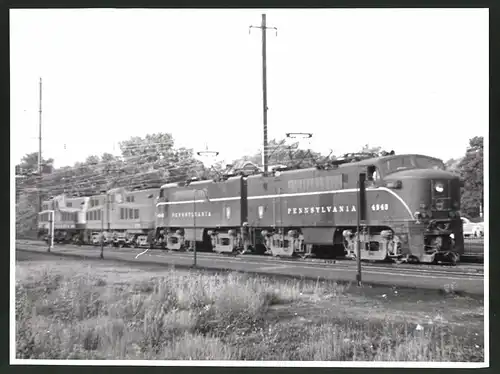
x: 432, y: 226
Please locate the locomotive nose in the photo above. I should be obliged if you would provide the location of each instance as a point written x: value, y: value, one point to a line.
x: 435, y: 192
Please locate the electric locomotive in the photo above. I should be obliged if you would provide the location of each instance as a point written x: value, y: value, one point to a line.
x: 69, y: 217
x: 123, y: 214
x: 411, y: 211
x: 208, y: 212
x: 411, y: 208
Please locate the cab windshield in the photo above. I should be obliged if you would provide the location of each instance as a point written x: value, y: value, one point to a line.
x: 410, y: 162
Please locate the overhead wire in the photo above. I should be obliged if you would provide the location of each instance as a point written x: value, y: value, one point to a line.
x: 123, y: 165
x: 92, y: 181
x: 91, y: 178
x: 102, y: 178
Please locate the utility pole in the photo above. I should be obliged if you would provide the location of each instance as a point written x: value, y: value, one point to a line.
x: 108, y: 213
x: 102, y: 232
x: 104, y: 209
x: 40, y: 131
x: 361, y: 217
x: 40, y: 148
x: 264, y: 28
x: 52, y: 220
x: 194, y: 228
x: 206, y: 198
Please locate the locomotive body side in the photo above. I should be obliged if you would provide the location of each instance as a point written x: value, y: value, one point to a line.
x: 206, y: 211
x: 319, y: 198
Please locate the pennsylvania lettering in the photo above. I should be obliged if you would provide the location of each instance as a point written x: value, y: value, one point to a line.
x: 191, y: 214
x: 323, y: 209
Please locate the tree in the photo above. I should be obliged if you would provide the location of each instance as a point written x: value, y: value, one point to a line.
x: 452, y: 165
x: 92, y: 160
x: 108, y: 158
x: 156, y: 155
x: 471, y: 172
x: 151, y: 148
x: 29, y: 164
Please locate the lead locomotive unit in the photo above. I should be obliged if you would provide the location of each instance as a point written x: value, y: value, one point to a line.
x: 411, y: 209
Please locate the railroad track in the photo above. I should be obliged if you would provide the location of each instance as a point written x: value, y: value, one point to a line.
x: 461, y: 278
x: 458, y: 270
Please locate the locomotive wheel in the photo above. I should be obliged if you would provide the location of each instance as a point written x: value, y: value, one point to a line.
x: 400, y: 260
x: 450, y: 259
x: 260, y: 249
x: 453, y: 258
x: 413, y: 260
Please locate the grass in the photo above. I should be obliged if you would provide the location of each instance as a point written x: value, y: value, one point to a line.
x: 78, y: 310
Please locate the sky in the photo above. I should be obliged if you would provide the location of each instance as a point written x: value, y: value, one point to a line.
x: 413, y: 81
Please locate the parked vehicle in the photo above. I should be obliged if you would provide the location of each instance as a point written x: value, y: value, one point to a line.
x: 142, y: 241
x: 96, y: 239
x: 472, y: 229
x: 119, y: 239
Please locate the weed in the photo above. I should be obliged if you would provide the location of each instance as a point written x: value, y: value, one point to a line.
x: 73, y: 311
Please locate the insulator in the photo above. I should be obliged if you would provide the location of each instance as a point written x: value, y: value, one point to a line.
x: 179, y: 232
x: 264, y: 232
x: 232, y: 232
x: 210, y: 232
x: 292, y: 233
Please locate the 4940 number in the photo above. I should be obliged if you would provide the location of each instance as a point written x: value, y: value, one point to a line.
x: 376, y: 207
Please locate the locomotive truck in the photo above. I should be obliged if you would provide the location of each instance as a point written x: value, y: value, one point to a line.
x: 412, y: 211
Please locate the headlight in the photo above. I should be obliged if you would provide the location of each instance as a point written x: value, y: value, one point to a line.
x: 439, y: 187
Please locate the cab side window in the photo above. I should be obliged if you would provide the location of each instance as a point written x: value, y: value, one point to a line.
x: 373, y: 174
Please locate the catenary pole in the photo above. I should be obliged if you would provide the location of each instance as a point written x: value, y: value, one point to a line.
x: 360, y: 220
x: 265, y: 150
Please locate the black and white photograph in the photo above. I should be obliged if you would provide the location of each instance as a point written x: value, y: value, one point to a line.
x: 250, y: 187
